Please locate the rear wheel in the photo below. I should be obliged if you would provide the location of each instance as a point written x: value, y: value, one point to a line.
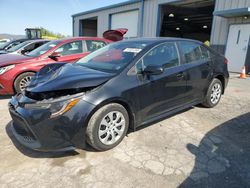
x: 22, y: 81
x: 213, y: 94
x: 107, y: 127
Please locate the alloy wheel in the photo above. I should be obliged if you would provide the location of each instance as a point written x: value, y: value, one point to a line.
x: 216, y: 93
x: 111, y: 128
x: 24, y: 82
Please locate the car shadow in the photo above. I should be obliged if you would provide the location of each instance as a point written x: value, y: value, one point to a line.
x: 222, y: 158
x: 41, y: 154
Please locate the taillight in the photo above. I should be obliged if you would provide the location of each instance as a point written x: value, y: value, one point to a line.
x: 226, y: 61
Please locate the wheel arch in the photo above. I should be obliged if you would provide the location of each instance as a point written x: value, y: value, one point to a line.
x: 122, y: 102
x: 222, y: 79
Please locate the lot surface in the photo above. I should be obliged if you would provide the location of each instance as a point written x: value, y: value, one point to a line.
x: 196, y: 148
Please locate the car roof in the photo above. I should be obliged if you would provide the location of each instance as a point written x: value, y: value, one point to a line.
x: 160, y: 39
x: 80, y: 38
x: 24, y: 40
x: 38, y: 40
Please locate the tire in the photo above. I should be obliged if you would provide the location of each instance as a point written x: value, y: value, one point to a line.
x: 19, y: 84
x: 102, y: 134
x: 213, y: 94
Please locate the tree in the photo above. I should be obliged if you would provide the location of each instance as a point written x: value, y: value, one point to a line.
x: 46, y: 33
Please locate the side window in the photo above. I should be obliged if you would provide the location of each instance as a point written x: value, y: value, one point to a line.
x: 30, y: 47
x: 13, y: 45
x: 204, y: 53
x: 39, y: 44
x: 193, y: 52
x: 94, y: 45
x: 70, y: 48
x: 165, y: 55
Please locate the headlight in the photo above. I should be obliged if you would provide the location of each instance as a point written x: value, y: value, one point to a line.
x: 56, y: 107
x: 6, y: 68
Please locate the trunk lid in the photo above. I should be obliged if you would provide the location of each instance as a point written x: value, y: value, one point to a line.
x: 115, y: 35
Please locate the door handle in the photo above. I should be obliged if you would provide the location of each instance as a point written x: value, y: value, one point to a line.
x: 180, y: 75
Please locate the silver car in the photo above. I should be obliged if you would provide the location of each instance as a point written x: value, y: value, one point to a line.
x: 24, y: 47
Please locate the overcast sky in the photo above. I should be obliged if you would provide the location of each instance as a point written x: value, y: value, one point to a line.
x: 54, y: 15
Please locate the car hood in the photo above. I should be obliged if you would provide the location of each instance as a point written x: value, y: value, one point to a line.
x: 66, y: 77
x: 7, y: 59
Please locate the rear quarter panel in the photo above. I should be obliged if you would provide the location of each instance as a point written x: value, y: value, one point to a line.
x: 220, y: 68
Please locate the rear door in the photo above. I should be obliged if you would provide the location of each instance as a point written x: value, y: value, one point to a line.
x: 198, y: 69
x: 158, y: 94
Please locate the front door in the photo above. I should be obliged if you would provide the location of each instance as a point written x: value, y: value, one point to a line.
x: 70, y: 52
x: 237, y: 46
x: 163, y: 92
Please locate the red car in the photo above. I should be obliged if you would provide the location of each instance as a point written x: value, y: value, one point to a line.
x: 16, y: 71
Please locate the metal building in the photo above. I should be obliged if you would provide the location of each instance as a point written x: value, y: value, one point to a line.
x: 225, y: 24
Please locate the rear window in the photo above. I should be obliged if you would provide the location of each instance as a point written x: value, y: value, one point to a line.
x: 193, y: 52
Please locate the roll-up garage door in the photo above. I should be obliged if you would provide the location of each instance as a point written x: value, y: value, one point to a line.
x: 127, y: 20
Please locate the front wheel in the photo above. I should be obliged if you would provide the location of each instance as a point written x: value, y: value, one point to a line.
x: 22, y: 81
x: 213, y: 94
x: 107, y: 127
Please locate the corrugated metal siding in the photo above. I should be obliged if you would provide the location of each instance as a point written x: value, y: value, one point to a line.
x: 149, y: 23
x: 151, y: 15
x: 103, y: 18
x: 221, y: 25
x: 219, y: 30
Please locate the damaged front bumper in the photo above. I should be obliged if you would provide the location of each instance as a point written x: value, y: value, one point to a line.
x: 36, y: 129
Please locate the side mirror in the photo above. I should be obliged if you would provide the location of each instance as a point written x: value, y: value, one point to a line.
x: 153, y: 70
x: 54, y: 56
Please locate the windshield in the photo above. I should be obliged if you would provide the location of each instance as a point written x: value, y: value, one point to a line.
x: 17, y: 47
x: 43, y: 49
x: 113, y: 57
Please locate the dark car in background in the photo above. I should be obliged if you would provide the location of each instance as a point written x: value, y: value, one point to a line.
x: 2, y: 41
x: 119, y: 87
x: 25, y: 47
x: 11, y: 44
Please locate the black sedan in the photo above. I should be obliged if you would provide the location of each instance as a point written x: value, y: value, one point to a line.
x: 119, y: 87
